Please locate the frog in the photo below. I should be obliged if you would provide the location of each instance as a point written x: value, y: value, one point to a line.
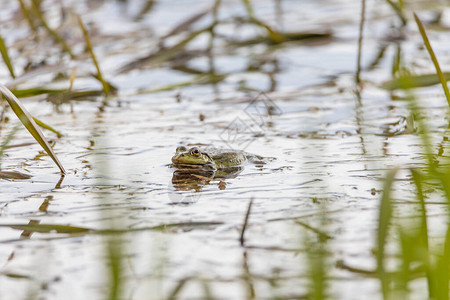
x: 211, y: 158
x: 196, y: 167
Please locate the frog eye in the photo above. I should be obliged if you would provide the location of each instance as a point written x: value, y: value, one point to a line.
x: 195, y: 151
x: 181, y: 149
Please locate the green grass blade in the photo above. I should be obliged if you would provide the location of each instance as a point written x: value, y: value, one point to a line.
x: 186, y: 24
x: 418, y: 180
x: 318, y: 257
x: 47, y: 228
x: 200, y: 79
x: 27, y: 16
x: 5, y: 56
x: 360, y: 41
x: 248, y: 8
x: 146, y: 8
x: 36, y: 11
x: 384, y: 221
x: 433, y: 57
x: 164, y: 54
x: 284, y: 37
x: 398, y: 10
x: 21, y: 93
x: 94, y: 58
x: 397, y: 61
x: 48, y: 127
x: 115, y: 260
x: 29, y: 123
x: 274, y: 36
x: 442, y: 267
x: 414, y: 81
x: 403, y: 276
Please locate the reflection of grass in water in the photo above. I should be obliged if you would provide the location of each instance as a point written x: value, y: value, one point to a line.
x: 113, y: 245
x: 317, y: 255
x: 9, y: 137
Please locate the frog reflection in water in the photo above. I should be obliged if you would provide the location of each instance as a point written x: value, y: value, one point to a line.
x: 196, y: 167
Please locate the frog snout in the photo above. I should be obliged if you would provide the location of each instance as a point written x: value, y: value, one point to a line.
x: 175, y: 158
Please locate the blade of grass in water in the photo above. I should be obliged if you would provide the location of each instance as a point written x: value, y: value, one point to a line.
x: 442, y: 273
x: 186, y: 24
x: 30, y: 124
x: 200, y: 79
x: 284, y: 37
x: 414, y: 81
x: 418, y: 180
x: 360, y: 41
x: 273, y: 35
x: 433, y: 57
x: 146, y: 8
x: 43, y: 228
x: 244, y: 227
x: 165, y: 54
x: 47, y: 228
x: 94, y: 58
x: 5, y: 56
x: 21, y: 93
x: 384, y: 221
x: 317, y: 254
x: 27, y: 16
x: 115, y: 259
x: 48, y: 127
x: 398, y: 10
x: 249, y: 8
x: 53, y: 33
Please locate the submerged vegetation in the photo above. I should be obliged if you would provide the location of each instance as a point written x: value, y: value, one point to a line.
x: 408, y: 251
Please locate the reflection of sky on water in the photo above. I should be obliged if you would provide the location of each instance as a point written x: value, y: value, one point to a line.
x: 329, y: 151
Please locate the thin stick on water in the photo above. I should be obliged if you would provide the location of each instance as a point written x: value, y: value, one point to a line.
x: 360, y: 40
x: 244, y: 227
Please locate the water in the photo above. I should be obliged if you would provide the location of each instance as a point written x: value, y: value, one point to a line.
x: 332, y: 148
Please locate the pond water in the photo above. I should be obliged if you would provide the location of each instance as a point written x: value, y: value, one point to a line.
x: 333, y: 145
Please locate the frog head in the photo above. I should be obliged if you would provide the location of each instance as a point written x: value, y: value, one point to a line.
x: 193, y: 156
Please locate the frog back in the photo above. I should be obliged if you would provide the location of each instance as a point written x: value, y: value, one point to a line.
x: 228, y: 158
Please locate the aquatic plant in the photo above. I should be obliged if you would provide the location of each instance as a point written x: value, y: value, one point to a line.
x: 418, y: 256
